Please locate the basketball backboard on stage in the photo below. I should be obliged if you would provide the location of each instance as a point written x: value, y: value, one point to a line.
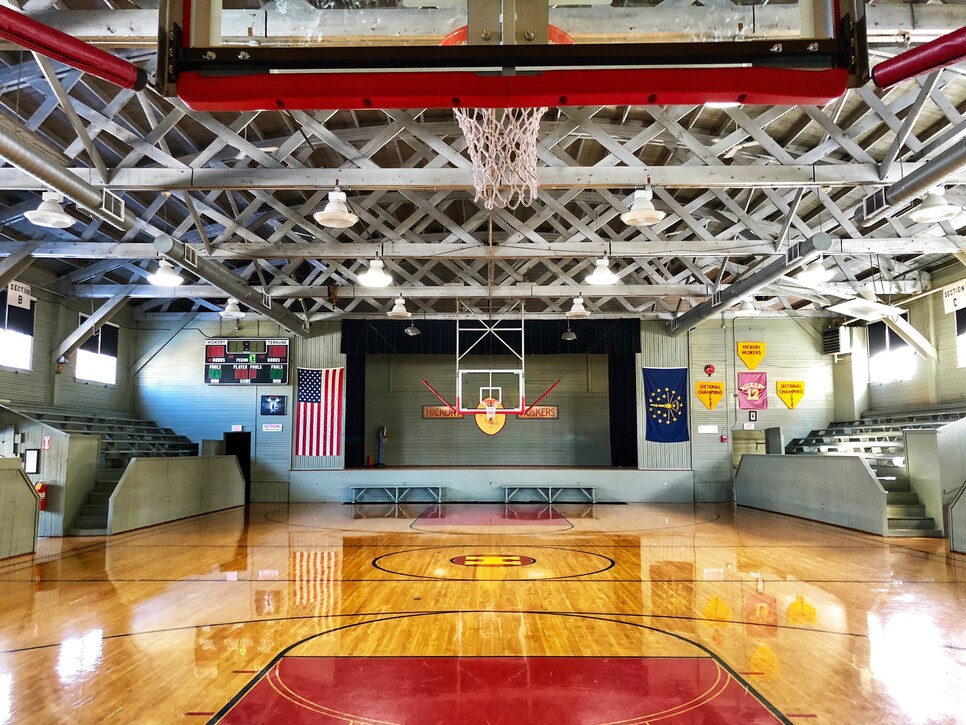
x: 300, y: 54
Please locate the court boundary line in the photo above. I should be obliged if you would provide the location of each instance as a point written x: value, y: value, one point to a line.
x: 233, y: 702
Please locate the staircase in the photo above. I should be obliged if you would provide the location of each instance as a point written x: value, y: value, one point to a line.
x: 879, y: 440
x: 121, y: 439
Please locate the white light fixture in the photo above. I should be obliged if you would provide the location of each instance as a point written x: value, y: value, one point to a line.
x: 814, y: 271
x: 747, y: 308
x: 934, y: 208
x: 642, y: 213
x: 602, y: 274
x: 722, y: 104
x: 568, y: 335
x: 166, y: 276
x: 336, y: 213
x: 399, y: 311
x: 50, y: 213
x: 232, y: 311
x: 375, y: 276
x: 577, y: 309
x: 412, y: 330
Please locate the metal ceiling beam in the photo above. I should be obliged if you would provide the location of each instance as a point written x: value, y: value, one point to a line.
x: 230, y: 284
x: 457, y: 291
x: 15, y: 264
x: 89, y: 326
x: 786, y: 176
x: 440, y: 250
x: 796, y: 256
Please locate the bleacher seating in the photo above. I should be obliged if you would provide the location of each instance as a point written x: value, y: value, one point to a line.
x: 121, y: 439
x: 879, y: 440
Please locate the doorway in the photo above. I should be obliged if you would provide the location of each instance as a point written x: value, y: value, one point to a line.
x: 240, y: 446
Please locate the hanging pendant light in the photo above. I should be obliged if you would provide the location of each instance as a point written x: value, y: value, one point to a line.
x: 399, y: 311
x: 376, y: 275
x: 934, y: 208
x: 336, y: 214
x: 232, y: 311
x: 412, y: 330
x: 747, y: 308
x: 602, y: 273
x: 814, y: 272
x: 642, y: 213
x: 166, y: 276
x: 577, y: 309
x: 50, y: 214
x: 568, y: 335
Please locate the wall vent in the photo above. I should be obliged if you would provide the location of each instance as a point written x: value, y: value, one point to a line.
x: 837, y: 341
x: 113, y: 206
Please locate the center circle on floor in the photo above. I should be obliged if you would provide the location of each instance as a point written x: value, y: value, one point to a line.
x: 494, y: 560
x: 487, y: 563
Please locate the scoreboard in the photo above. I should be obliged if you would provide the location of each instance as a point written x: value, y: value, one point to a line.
x: 234, y: 361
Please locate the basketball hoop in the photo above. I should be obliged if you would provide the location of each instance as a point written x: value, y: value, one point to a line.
x: 490, y: 405
x: 502, y: 143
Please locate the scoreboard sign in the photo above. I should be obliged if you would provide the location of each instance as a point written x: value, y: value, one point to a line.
x: 234, y: 361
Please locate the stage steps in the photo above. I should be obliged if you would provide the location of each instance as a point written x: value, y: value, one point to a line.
x: 121, y: 439
x: 878, y: 439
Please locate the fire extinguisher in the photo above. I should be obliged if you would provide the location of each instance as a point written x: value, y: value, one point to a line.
x: 41, y: 487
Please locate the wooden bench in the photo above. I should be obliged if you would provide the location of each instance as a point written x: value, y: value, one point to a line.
x: 550, y: 493
x: 394, y: 494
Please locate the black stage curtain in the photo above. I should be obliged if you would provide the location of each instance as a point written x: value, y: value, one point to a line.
x: 594, y: 337
x: 622, y: 372
x: 355, y: 411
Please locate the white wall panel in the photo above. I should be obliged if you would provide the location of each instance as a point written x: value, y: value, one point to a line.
x: 171, y: 390
x: 793, y: 352
x: 322, y: 351
x: 658, y: 350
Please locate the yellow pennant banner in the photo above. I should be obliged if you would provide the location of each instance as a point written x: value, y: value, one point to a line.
x: 790, y: 391
x: 751, y: 353
x: 710, y: 393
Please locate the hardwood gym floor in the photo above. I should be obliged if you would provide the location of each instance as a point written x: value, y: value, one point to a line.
x: 484, y: 614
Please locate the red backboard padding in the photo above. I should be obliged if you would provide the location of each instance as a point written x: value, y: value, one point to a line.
x: 660, y: 86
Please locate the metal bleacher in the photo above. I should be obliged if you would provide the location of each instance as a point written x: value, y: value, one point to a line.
x: 879, y: 440
x: 121, y: 439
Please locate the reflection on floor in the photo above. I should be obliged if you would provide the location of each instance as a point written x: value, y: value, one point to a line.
x: 485, y: 614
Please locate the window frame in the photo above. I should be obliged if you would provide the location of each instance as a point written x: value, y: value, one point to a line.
x: 95, y: 344
x: 24, y: 324
x: 891, y: 343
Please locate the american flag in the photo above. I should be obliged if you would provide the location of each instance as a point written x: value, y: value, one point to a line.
x: 318, y: 414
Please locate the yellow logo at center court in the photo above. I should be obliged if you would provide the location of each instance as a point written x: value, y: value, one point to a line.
x: 492, y: 560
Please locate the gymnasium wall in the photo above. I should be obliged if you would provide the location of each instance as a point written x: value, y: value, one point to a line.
x: 940, y: 382
x: 579, y: 437
x: 660, y: 351
x: 170, y: 389
x: 54, y: 320
x: 793, y: 352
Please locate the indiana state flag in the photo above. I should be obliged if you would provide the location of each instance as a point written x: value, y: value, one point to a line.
x: 666, y: 404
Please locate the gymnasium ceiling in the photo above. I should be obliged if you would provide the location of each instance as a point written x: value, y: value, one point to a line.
x: 739, y: 186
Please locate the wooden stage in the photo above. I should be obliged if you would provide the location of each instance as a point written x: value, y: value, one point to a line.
x: 456, y: 613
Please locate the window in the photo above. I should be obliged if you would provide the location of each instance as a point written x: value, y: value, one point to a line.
x: 891, y: 358
x: 17, y: 335
x: 97, y: 357
x: 961, y: 338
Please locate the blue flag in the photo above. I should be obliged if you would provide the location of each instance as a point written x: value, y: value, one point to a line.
x: 666, y: 405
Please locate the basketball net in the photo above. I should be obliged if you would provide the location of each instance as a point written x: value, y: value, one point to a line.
x: 502, y: 142
x: 490, y: 405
